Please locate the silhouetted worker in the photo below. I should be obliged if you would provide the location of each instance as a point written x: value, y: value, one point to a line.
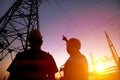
x: 34, y: 63
x: 76, y: 67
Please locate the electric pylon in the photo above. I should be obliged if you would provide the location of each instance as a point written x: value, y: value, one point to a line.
x: 113, y: 51
x: 15, y: 25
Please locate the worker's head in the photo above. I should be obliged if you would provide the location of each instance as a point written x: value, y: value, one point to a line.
x: 35, y: 38
x: 73, y: 45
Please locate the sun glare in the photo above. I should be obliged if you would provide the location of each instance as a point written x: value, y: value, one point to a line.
x: 99, y: 68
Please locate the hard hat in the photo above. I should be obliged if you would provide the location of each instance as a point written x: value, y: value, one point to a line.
x: 34, y: 33
x: 74, y: 43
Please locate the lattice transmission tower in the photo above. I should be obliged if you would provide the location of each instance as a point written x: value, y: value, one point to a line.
x: 15, y: 25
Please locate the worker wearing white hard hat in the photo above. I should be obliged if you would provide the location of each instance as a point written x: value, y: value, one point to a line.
x: 73, y: 46
x: 35, y: 39
x: 34, y: 63
x: 76, y: 66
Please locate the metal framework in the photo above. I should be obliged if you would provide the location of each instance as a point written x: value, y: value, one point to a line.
x: 16, y: 24
x: 113, y: 51
x: 114, y: 57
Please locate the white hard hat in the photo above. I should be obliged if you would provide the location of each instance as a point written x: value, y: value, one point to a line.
x: 34, y: 33
x: 74, y: 43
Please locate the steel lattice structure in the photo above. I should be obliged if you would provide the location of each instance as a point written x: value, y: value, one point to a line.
x: 15, y: 25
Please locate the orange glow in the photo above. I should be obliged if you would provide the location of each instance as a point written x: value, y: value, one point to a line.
x: 57, y: 76
x: 99, y: 68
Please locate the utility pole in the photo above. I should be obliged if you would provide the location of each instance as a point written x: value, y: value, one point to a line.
x: 93, y: 63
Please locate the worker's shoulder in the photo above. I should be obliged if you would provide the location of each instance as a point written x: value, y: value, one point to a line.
x: 82, y: 55
x: 24, y: 52
x: 28, y: 53
x: 45, y: 53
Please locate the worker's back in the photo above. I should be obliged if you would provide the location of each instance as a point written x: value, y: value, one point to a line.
x: 76, y: 68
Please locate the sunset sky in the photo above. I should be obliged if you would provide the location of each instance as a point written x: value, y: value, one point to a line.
x: 83, y: 19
